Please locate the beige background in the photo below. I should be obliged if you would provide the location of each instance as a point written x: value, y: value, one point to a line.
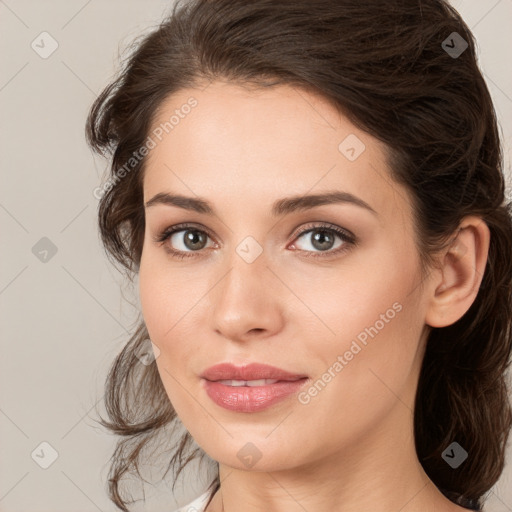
x: 64, y: 320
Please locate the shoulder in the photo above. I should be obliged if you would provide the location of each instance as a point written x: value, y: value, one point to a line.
x: 197, y: 505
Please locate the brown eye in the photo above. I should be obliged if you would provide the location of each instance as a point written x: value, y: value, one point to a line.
x: 193, y: 239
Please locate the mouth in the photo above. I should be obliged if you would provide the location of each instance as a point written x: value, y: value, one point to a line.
x: 250, y: 388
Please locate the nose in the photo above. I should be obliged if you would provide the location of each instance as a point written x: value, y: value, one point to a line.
x: 246, y: 303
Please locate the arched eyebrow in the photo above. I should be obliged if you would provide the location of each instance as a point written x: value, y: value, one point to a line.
x: 280, y: 207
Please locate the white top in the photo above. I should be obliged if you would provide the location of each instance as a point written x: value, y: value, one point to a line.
x: 198, y: 505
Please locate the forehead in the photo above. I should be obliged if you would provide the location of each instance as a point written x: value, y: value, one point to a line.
x: 264, y: 143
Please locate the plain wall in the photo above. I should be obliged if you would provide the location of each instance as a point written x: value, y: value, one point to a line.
x: 65, y: 319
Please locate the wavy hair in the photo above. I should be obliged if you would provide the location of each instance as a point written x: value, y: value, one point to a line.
x: 385, y: 66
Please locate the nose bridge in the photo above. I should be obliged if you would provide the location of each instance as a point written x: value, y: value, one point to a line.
x: 247, y: 265
x: 243, y: 300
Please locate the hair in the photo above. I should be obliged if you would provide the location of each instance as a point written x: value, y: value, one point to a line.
x: 384, y: 66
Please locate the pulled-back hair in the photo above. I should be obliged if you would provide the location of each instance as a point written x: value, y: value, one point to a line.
x: 385, y: 66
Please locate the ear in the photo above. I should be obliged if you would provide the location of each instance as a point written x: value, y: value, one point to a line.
x: 457, y: 281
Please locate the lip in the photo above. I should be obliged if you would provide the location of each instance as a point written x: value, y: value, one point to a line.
x: 252, y: 371
x: 250, y: 398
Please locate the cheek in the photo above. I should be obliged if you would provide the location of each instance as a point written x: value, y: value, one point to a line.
x: 358, y: 383
x: 165, y: 317
x: 162, y: 310
x: 366, y: 332
x: 170, y: 301
x: 363, y: 294
x: 153, y: 301
x: 162, y: 292
x: 159, y: 309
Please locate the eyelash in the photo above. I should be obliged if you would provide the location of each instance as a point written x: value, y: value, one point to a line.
x: 348, y: 238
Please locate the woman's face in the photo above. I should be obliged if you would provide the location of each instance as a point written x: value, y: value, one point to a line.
x: 265, y: 279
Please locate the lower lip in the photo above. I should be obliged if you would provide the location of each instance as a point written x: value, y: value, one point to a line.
x: 251, y: 399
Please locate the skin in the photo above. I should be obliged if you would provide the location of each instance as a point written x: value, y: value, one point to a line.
x: 351, y: 447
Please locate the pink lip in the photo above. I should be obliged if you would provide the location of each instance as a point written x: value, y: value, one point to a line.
x: 253, y: 371
x: 249, y: 398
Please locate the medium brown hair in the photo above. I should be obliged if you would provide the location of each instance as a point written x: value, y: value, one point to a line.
x: 384, y: 66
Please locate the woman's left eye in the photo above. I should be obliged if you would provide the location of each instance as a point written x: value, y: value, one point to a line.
x: 194, y: 239
x: 324, y: 237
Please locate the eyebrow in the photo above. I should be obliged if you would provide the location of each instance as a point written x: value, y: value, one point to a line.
x: 280, y: 207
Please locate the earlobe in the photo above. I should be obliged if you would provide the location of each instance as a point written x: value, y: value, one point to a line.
x: 462, y: 266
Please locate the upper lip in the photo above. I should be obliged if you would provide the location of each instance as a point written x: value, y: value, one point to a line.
x: 252, y: 371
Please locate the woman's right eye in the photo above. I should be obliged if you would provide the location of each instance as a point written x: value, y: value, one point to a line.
x: 182, y: 241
